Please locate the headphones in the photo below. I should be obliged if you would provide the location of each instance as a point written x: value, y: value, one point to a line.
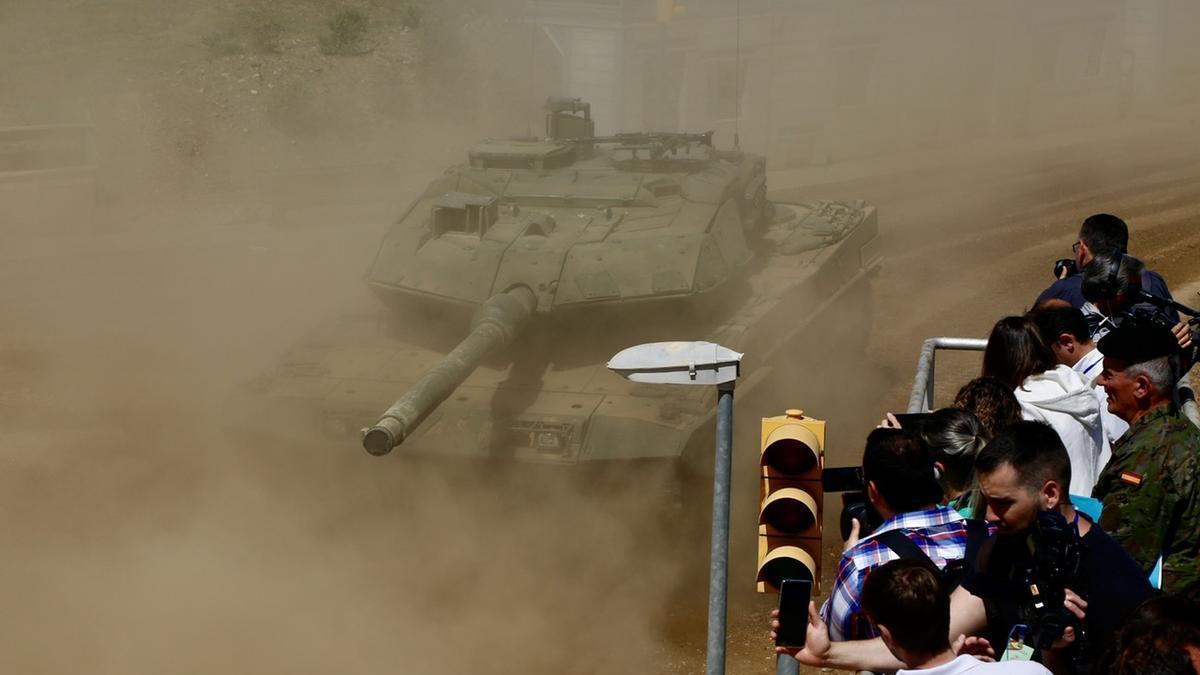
x: 1114, y: 272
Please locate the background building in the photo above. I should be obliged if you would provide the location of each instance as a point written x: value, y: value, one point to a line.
x: 820, y: 82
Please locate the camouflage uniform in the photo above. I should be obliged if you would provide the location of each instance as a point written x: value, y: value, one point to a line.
x: 1151, y: 495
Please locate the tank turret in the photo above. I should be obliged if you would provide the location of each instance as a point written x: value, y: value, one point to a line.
x: 571, y: 220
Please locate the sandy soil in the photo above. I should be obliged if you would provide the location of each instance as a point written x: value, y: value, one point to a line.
x: 138, y: 538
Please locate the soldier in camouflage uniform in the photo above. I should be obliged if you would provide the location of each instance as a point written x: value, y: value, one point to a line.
x: 1151, y: 486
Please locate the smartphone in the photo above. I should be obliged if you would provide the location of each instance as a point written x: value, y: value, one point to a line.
x: 911, y: 421
x: 855, y: 505
x: 794, y: 596
x: 842, y: 479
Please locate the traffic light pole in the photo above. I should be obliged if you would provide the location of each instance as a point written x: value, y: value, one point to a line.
x: 718, y: 576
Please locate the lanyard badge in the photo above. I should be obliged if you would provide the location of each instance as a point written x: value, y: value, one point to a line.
x: 1016, y: 649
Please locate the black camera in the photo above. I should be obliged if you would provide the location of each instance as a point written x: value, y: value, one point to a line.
x: 849, y: 480
x: 1058, y: 554
x: 1146, y: 300
x: 1067, y: 264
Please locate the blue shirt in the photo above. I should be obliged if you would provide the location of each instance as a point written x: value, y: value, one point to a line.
x: 1070, y: 289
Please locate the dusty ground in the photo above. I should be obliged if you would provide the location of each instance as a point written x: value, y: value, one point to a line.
x: 137, y: 538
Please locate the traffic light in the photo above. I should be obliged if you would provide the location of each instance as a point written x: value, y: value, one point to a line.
x: 789, y: 517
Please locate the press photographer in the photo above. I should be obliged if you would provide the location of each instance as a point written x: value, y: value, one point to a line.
x: 1102, y: 234
x: 901, y: 486
x: 1049, y: 578
x: 1113, y: 286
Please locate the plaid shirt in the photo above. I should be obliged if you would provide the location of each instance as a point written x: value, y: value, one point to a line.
x: 940, y: 532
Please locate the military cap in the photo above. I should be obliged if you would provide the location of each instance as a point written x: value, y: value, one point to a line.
x: 1138, y: 340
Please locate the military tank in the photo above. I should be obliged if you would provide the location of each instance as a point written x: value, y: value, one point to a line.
x: 515, y: 276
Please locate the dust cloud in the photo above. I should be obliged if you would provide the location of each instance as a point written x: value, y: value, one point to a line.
x: 243, y: 178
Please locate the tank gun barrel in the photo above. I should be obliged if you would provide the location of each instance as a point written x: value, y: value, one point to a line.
x: 497, y: 322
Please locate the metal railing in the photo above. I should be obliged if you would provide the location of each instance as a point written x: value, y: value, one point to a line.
x: 1187, y: 400
x: 921, y: 398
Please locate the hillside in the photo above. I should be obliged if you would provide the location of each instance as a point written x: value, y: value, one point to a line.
x: 198, y: 98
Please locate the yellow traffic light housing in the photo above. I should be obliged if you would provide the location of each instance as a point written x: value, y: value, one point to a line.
x: 791, y: 457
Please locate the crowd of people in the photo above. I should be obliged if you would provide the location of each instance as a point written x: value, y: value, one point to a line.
x: 1049, y: 519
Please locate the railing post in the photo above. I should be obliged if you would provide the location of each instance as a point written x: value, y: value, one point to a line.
x: 929, y: 382
x: 921, y: 398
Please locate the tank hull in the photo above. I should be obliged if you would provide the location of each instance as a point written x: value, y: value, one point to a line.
x: 548, y: 398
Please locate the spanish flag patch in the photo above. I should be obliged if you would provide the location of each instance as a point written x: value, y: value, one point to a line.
x: 1131, y: 478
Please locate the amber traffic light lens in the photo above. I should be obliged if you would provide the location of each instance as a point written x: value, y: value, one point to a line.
x: 790, y: 456
x: 787, y: 562
x: 789, y: 511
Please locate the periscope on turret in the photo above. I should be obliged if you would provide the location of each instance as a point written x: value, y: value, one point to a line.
x: 564, y: 249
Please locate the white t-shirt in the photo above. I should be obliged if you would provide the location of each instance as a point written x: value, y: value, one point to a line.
x: 970, y: 664
x: 1114, y: 427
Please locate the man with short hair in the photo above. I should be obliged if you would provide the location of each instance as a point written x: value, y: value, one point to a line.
x: 1151, y: 487
x: 1023, y: 473
x: 1065, y: 329
x: 901, y: 486
x: 1100, y: 234
x: 909, y: 606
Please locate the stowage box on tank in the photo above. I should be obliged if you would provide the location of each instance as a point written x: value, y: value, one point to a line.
x: 515, y: 276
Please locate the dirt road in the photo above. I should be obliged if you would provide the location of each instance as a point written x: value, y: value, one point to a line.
x: 137, y: 539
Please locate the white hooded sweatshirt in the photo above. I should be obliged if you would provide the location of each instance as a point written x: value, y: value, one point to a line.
x: 1114, y: 427
x: 1063, y: 400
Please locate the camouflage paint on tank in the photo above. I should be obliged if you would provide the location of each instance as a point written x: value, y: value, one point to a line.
x: 623, y: 239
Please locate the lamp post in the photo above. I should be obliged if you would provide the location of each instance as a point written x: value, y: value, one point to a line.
x: 705, y: 364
